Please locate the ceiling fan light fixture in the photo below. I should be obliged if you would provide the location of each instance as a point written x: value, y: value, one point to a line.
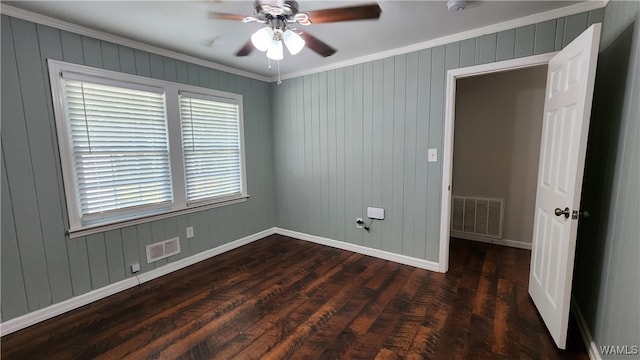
x: 262, y: 38
x: 294, y: 42
x: 275, y: 51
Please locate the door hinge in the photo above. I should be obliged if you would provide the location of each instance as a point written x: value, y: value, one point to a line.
x: 575, y: 214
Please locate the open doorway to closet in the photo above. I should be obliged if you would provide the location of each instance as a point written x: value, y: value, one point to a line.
x: 497, y: 134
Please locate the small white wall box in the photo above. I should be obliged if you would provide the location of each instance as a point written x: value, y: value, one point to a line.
x: 375, y: 213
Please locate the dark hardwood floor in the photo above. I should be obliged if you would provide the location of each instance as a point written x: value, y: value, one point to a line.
x: 285, y: 298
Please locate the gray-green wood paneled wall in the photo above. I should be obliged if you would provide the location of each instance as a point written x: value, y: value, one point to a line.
x: 358, y: 136
x: 606, y: 276
x: 40, y: 265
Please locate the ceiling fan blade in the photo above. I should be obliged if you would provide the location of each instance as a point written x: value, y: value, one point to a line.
x: 225, y: 16
x: 317, y: 45
x: 246, y: 49
x: 361, y: 12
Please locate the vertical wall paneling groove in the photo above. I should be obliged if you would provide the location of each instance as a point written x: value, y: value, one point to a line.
x: 375, y: 237
x: 280, y: 115
x: 169, y: 69
x: 504, y: 47
x: 349, y: 147
x: 127, y: 60
x: 115, y: 255
x: 487, y: 46
x: 399, y: 120
x: 308, y: 155
x: 544, y: 37
x: 559, y: 34
x: 110, y: 56
x: 332, y: 153
x: 367, y: 146
x: 130, y: 249
x: 422, y: 146
x: 574, y: 25
x: 468, y: 52
x: 157, y: 235
x: 143, y: 67
x: 410, y: 143
x: 92, y: 52
x: 32, y: 187
x: 525, y: 37
x: 98, y: 267
x: 72, y: 47
x: 434, y: 176
x: 340, y: 154
x: 387, y: 156
x: 324, y: 164
x: 357, y: 155
x: 315, y: 157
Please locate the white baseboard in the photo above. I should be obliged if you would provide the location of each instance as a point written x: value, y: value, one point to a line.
x: 504, y: 242
x: 402, y: 259
x: 51, y: 311
x: 589, y: 343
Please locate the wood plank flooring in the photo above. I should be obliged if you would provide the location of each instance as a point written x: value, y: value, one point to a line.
x: 284, y: 298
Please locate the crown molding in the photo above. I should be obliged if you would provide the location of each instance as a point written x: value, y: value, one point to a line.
x: 101, y: 35
x: 489, y: 29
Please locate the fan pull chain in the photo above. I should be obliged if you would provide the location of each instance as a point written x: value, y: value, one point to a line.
x: 279, y: 81
x: 269, y: 61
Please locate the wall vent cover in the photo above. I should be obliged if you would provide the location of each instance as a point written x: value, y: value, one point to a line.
x: 477, y: 216
x: 163, y: 249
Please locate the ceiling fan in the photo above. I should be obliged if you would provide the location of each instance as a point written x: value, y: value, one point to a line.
x: 279, y: 16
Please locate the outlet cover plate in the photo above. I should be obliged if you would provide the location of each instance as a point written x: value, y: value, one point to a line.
x: 189, y: 232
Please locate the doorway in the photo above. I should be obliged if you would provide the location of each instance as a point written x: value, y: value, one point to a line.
x: 447, y: 162
x: 498, y: 130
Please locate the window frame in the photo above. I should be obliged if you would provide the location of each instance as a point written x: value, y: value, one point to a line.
x: 172, y: 90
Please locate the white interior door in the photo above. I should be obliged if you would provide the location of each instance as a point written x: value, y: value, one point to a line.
x: 567, y: 109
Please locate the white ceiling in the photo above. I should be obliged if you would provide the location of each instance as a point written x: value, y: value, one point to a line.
x: 184, y: 26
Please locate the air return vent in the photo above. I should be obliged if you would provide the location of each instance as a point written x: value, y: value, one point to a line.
x: 163, y: 249
x: 476, y: 216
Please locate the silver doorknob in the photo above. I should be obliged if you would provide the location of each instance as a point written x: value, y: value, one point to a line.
x: 566, y: 212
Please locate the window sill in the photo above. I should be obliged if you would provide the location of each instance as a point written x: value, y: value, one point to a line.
x: 89, y: 230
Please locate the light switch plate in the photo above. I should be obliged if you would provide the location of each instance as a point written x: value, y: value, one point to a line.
x: 433, y: 155
x: 189, y: 232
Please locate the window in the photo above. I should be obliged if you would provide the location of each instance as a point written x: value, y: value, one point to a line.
x: 133, y: 147
x: 210, y: 139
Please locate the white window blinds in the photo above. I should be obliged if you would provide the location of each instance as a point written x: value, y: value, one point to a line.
x: 120, y: 148
x: 211, y: 147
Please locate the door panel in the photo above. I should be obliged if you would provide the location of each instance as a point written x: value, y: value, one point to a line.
x: 567, y: 109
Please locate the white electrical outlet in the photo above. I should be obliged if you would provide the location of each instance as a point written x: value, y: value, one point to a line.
x: 189, y: 232
x: 359, y: 223
x: 135, y: 268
